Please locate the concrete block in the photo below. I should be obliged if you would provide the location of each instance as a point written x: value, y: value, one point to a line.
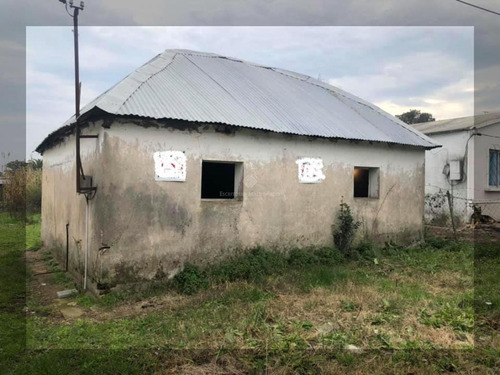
x: 66, y: 293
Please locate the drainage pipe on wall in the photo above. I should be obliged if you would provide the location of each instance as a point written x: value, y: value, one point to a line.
x: 86, y: 243
x: 67, y: 247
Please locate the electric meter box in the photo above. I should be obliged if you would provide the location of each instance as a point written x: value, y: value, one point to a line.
x: 456, y: 170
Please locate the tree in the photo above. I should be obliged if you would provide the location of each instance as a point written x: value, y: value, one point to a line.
x: 15, y: 165
x: 36, y: 163
x: 414, y: 116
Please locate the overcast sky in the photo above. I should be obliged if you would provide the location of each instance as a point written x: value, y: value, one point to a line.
x: 16, y: 15
x: 396, y: 68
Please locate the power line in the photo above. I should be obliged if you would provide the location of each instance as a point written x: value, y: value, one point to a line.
x: 478, y: 7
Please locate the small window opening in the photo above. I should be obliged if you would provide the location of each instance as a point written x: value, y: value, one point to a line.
x: 494, y: 168
x: 366, y: 182
x: 221, y: 180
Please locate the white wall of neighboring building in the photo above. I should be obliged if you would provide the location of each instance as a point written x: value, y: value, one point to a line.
x: 437, y: 180
x: 486, y: 196
x: 474, y: 187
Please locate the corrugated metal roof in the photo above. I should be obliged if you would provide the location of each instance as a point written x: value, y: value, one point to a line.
x: 204, y: 87
x: 459, y: 123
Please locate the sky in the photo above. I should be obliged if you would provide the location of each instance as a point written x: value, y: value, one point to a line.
x: 396, y: 68
x: 16, y: 15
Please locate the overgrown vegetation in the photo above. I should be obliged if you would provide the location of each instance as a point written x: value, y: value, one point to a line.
x: 254, y: 266
x: 23, y: 191
x: 291, y: 313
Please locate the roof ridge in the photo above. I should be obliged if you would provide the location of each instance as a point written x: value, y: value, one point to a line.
x: 147, y: 79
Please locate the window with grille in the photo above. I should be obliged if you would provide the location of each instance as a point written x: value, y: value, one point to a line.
x: 494, y: 169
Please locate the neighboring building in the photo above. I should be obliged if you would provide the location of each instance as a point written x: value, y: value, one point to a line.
x: 200, y: 155
x: 467, y: 165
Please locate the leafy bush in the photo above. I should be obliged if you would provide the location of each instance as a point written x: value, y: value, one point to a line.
x: 300, y: 257
x: 368, y: 250
x: 436, y: 242
x: 346, y: 229
x: 329, y: 256
x: 191, y: 279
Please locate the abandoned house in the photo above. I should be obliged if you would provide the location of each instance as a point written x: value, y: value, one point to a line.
x: 199, y: 155
x: 468, y: 166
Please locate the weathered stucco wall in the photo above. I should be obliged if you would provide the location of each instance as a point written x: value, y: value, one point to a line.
x: 146, y: 228
x: 60, y: 203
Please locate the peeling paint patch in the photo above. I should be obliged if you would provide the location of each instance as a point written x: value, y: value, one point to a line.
x: 170, y: 166
x: 310, y: 170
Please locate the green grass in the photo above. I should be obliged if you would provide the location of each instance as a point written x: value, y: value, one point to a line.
x: 272, y: 306
x: 242, y: 309
x: 12, y: 288
x: 33, y: 227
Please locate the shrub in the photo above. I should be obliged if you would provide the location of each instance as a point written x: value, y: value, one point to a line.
x: 23, y: 191
x: 191, y: 279
x: 252, y: 265
x: 436, y: 242
x: 299, y: 257
x: 443, y: 244
x: 329, y: 256
x: 346, y: 229
x: 368, y: 249
x: 33, y: 190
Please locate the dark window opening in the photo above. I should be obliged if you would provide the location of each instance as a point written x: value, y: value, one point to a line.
x: 217, y: 180
x: 366, y: 182
x: 361, y: 182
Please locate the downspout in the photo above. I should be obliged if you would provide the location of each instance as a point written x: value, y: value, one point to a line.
x: 67, y: 247
x: 86, y: 242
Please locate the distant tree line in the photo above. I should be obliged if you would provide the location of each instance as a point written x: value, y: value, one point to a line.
x: 414, y: 116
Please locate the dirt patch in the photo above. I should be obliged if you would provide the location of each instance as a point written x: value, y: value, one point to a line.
x: 482, y: 233
x: 41, y: 286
